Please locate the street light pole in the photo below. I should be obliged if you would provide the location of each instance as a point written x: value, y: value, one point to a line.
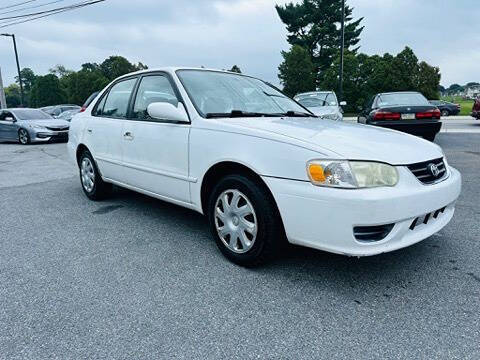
x: 18, y: 66
x: 342, y: 49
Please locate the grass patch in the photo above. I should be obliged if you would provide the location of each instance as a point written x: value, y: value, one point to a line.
x: 466, y: 105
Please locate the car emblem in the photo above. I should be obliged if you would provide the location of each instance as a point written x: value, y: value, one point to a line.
x: 433, y: 170
x: 408, y: 109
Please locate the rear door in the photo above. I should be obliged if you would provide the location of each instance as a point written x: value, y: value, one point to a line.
x: 155, y: 152
x: 104, y: 131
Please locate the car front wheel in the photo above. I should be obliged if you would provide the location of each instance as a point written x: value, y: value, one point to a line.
x: 23, y: 137
x: 92, y: 183
x: 244, y: 220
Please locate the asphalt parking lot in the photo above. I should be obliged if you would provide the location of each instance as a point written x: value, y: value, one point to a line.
x: 134, y: 277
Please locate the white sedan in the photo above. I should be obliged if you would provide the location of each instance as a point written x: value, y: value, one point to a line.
x: 260, y: 166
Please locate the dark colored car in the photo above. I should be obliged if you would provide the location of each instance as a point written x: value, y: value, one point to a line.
x: 409, y: 112
x: 89, y: 101
x: 446, y: 108
x: 476, y: 109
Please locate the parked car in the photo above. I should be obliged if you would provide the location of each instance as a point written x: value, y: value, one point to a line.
x: 409, y: 112
x: 260, y: 166
x: 322, y: 103
x: 89, y: 100
x: 446, y: 108
x: 31, y: 125
x: 68, y: 115
x: 476, y: 109
x: 59, y: 109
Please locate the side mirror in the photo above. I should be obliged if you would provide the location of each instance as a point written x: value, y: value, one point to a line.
x: 168, y: 112
x: 343, y: 103
x: 9, y: 118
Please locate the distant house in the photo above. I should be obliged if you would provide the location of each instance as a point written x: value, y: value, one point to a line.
x: 472, y: 92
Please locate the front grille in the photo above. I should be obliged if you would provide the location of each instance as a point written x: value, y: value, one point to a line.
x: 372, y: 233
x: 57, y: 128
x: 429, y: 172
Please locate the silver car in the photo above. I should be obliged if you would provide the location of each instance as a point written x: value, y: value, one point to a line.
x: 31, y: 125
x: 322, y: 103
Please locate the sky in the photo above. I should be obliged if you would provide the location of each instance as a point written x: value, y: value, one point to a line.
x: 248, y: 33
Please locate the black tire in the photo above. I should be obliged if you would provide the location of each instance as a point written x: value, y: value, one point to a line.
x: 24, y: 137
x: 269, y: 235
x: 100, y: 189
x: 445, y: 113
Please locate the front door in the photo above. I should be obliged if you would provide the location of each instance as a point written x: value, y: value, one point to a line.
x: 155, y: 153
x: 8, y: 128
x: 104, y: 131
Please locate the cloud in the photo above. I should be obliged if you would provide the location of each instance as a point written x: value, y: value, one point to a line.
x: 220, y: 33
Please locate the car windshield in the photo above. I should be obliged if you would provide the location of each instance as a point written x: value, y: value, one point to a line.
x: 218, y: 94
x: 31, y: 114
x: 402, y: 99
x: 317, y: 100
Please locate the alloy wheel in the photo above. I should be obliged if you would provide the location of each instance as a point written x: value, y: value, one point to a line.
x: 23, y: 136
x: 235, y: 221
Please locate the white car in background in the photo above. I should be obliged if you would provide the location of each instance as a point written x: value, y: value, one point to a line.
x: 260, y: 167
x: 322, y: 103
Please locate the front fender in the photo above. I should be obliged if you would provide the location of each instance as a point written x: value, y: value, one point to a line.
x: 266, y: 157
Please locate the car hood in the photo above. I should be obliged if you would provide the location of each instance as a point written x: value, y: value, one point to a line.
x: 49, y: 122
x: 348, y: 140
x: 323, y: 110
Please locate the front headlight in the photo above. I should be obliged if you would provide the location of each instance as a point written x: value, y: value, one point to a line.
x: 39, y: 127
x: 351, y: 174
x: 331, y: 116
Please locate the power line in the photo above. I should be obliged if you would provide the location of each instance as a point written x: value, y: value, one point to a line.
x: 86, y: 2
x: 31, y: 7
x: 53, y: 12
x: 19, y: 4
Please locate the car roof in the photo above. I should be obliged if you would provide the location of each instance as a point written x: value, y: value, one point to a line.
x: 315, y: 92
x: 173, y: 69
x: 399, y: 92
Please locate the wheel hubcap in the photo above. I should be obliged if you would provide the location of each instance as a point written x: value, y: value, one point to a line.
x: 87, y: 174
x: 235, y: 221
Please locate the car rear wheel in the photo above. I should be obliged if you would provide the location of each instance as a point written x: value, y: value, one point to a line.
x: 445, y: 113
x: 23, y: 137
x: 92, y: 183
x: 244, y: 220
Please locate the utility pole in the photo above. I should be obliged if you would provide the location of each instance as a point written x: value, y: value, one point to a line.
x: 342, y: 49
x: 3, y: 100
x: 18, y: 66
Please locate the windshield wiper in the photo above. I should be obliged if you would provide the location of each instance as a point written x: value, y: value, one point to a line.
x: 239, y: 113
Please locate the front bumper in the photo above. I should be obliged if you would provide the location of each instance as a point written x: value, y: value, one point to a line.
x: 324, y: 218
x: 413, y: 127
x: 48, y: 135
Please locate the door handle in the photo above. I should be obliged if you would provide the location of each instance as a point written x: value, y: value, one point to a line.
x: 128, y: 136
x: 89, y: 131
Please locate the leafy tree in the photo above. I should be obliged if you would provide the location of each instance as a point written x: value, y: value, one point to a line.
x: 78, y: 86
x: 12, y: 95
x: 365, y: 76
x: 472, y: 84
x: 28, y: 79
x: 60, y: 71
x: 235, y: 69
x: 116, y: 66
x: 296, y: 72
x: 315, y: 25
x: 46, y: 91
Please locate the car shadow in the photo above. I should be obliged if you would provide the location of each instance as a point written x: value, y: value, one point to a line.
x: 295, y: 263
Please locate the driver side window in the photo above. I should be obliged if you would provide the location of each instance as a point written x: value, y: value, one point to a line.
x: 5, y: 114
x: 152, y: 89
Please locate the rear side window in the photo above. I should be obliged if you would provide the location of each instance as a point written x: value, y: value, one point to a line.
x: 115, y: 104
x: 154, y: 88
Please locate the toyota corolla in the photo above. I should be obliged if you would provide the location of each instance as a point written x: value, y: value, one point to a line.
x: 260, y: 166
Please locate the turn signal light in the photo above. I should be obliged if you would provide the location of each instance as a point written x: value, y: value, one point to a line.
x: 316, y: 172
